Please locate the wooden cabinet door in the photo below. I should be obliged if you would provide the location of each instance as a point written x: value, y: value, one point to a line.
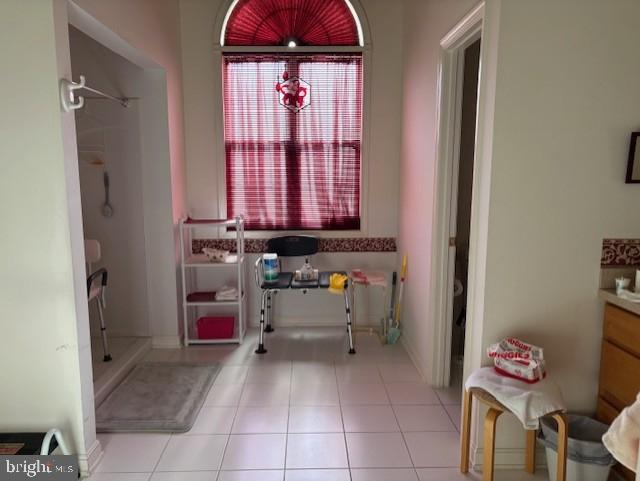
x: 622, y: 328
x: 619, y: 376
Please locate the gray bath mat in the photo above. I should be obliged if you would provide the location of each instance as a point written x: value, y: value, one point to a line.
x: 157, y: 397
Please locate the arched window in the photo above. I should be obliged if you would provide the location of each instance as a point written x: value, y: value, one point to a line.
x: 292, y: 115
x: 279, y: 22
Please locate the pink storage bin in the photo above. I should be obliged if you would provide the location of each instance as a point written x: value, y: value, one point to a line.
x: 215, y: 327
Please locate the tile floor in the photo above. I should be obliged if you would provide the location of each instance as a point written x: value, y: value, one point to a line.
x: 305, y: 411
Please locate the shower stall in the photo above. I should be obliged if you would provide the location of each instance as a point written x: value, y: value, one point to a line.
x: 109, y: 156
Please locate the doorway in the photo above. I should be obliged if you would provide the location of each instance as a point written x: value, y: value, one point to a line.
x: 461, y: 196
x: 461, y: 207
x: 110, y: 173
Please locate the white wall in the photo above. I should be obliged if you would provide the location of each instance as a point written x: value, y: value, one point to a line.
x: 425, y: 23
x: 205, y: 148
x: 107, y: 126
x: 566, y: 101
x: 43, y: 306
x: 40, y: 343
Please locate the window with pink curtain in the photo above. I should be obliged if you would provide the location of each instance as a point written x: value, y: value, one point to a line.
x: 293, y: 169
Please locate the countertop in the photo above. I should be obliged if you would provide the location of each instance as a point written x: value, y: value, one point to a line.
x: 609, y: 295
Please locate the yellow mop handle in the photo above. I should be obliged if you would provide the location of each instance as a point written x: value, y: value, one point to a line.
x: 403, y: 275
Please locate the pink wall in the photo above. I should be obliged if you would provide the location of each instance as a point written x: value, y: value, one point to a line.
x: 425, y: 23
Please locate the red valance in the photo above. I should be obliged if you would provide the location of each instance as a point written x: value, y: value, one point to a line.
x: 276, y: 22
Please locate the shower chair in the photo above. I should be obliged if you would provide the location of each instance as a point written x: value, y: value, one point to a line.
x: 293, y: 246
x: 96, y: 288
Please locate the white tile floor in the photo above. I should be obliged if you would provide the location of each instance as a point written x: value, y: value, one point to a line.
x: 305, y: 411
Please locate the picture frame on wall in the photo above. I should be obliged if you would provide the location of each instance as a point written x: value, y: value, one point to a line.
x: 633, y: 167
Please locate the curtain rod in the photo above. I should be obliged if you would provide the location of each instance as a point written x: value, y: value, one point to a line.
x: 70, y: 102
x: 124, y: 101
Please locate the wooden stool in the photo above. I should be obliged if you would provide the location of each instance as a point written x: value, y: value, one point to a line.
x: 495, y: 410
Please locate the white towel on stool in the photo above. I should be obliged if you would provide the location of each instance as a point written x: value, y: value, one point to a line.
x: 528, y: 402
x: 623, y: 437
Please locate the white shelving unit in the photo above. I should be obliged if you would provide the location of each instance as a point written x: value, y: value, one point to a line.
x: 193, y: 264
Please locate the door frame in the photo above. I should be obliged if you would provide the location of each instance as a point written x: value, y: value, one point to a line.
x: 450, y: 85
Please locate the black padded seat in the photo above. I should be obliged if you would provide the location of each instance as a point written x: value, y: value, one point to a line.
x: 283, y: 282
x: 293, y: 245
x: 325, y: 277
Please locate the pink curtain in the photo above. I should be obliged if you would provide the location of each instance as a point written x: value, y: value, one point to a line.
x: 288, y: 170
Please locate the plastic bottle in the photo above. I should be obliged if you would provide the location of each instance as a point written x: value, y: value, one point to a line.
x: 270, y: 266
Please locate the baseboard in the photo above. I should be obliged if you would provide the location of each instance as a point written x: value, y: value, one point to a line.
x: 415, y: 359
x: 508, y: 458
x: 88, y: 462
x: 166, y: 342
x: 111, y: 333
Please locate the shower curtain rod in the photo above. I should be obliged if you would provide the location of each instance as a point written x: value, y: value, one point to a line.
x: 70, y: 102
x: 124, y: 101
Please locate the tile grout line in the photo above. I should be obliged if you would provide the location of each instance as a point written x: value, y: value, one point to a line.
x: 344, y: 429
x: 455, y: 426
x: 226, y: 445
x: 286, y: 435
x: 444, y: 406
x: 161, y: 454
x: 404, y: 440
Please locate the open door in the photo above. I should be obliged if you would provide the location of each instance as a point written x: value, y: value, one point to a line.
x: 460, y: 208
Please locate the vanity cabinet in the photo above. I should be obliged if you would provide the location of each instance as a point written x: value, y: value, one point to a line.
x: 619, y: 366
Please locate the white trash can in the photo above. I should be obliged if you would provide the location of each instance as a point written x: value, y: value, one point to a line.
x: 587, y: 458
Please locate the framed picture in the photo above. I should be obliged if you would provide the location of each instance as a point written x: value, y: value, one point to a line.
x: 633, y: 167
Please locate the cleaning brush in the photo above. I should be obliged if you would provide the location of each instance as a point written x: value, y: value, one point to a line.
x: 394, y: 332
x: 387, y: 322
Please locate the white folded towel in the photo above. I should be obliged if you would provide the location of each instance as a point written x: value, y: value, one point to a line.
x: 528, y: 402
x: 623, y: 437
x: 226, y: 293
